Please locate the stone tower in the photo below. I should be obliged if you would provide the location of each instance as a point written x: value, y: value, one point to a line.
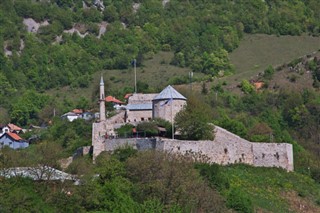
x: 102, y: 101
x: 167, y: 104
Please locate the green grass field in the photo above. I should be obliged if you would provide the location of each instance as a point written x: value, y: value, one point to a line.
x: 275, y: 190
x: 155, y: 72
x: 253, y: 55
x: 256, y: 52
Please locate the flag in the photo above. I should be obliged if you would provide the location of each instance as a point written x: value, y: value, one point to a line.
x: 133, y: 62
x: 167, y: 102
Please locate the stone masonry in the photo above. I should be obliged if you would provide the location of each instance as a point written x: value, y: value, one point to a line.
x: 226, y: 148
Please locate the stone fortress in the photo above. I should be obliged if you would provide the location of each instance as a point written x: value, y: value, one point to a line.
x: 226, y: 148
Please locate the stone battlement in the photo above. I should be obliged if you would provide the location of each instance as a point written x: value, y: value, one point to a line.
x: 226, y: 148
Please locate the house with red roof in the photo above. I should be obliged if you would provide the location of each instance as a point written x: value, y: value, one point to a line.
x: 127, y: 95
x: 14, y: 128
x: 77, y: 111
x: 10, y: 128
x: 13, y: 141
x: 113, y: 100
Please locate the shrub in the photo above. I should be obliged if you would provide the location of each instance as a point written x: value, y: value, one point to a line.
x: 166, y: 47
x: 122, y: 154
x: 246, y: 87
x: 268, y: 73
x: 213, y: 173
x: 125, y: 130
x: 239, y: 201
x: 150, y: 128
x: 178, y: 80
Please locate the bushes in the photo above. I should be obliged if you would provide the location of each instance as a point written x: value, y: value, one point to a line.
x: 268, y: 73
x: 213, y: 173
x: 239, y: 201
x: 150, y: 128
x: 246, y: 87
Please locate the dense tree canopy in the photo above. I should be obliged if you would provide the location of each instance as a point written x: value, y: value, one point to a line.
x: 199, y: 33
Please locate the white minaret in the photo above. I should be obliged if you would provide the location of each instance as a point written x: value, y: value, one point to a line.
x: 102, y: 101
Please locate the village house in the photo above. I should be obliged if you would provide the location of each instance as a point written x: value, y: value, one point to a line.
x: 11, y: 128
x: 115, y: 102
x: 78, y: 114
x: 70, y: 116
x: 13, y: 141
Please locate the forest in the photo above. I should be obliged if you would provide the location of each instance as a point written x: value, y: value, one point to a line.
x: 201, y: 35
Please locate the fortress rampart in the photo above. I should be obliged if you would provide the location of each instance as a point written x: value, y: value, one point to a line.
x: 226, y: 148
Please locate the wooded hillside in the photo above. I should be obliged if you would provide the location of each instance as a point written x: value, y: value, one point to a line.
x: 200, y: 33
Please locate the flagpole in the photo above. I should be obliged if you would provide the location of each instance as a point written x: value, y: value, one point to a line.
x: 135, y: 75
x: 172, y: 116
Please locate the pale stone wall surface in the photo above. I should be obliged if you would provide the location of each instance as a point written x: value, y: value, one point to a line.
x: 139, y: 98
x: 136, y: 143
x: 226, y: 148
x: 138, y: 116
x: 163, y: 110
x: 117, y: 119
x: 98, y: 132
x: 273, y: 155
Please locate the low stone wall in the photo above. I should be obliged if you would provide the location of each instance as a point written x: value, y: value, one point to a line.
x: 136, y: 143
x: 226, y: 148
x: 273, y: 155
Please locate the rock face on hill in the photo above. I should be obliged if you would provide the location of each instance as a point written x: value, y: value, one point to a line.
x: 32, y: 25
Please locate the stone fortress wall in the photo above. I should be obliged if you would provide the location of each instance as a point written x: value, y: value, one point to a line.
x: 226, y: 148
x: 138, y: 116
x: 99, y: 131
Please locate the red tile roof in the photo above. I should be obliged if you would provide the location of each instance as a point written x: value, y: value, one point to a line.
x: 113, y: 100
x: 14, y: 127
x: 77, y: 111
x: 127, y: 95
x: 258, y: 85
x: 14, y: 136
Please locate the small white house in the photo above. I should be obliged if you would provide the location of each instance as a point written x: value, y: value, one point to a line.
x: 71, y: 116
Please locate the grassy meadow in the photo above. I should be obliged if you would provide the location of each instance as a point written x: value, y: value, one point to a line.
x: 274, y: 190
x: 253, y: 55
x: 256, y: 52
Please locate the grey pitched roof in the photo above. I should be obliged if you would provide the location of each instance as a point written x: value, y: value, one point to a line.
x: 168, y: 93
x: 147, y: 106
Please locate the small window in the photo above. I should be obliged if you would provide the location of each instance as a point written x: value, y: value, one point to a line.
x: 149, y: 119
x: 134, y: 120
x: 142, y: 119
